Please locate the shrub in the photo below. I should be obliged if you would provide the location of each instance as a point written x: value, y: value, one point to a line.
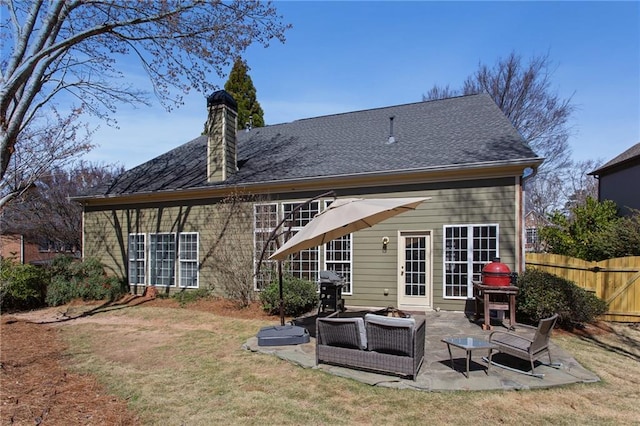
x: 60, y: 266
x: 299, y: 296
x: 188, y: 296
x: 21, y: 286
x: 542, y: 294
x: 85, y: 280
x: 61, y: 291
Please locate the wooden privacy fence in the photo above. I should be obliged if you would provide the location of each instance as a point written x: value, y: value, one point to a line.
x: 616, y: 281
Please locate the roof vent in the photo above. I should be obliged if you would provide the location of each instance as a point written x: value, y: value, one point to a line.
x: 392, y: 139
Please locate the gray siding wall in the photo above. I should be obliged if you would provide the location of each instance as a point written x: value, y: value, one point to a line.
x: 225, y: 238
x: 375, y: 270
x: 622, y: 187
x: 226, y: 235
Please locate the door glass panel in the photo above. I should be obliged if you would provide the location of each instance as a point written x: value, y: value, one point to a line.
x: 415, y: 267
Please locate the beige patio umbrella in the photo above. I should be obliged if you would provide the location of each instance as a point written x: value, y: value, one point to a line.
x: 343, y: 217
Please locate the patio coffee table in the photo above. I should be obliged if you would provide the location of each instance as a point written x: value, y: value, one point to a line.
x: 469, y: 344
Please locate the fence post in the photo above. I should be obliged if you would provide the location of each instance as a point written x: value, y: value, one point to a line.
x: 601, y: 267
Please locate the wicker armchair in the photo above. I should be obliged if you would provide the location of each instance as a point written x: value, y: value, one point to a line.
x: 530, y: 349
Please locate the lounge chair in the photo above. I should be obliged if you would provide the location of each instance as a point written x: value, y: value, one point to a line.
x: 522, y: 347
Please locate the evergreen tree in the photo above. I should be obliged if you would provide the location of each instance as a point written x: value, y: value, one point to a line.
x: 240, y: 86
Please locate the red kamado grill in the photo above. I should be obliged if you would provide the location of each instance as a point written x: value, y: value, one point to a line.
x: 496, y: 274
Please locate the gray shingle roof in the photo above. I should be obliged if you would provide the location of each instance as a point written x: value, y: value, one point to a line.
x: 451, y: 132
x: 629, y: 155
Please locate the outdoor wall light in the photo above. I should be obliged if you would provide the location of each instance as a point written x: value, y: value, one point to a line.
x: 385, y: 242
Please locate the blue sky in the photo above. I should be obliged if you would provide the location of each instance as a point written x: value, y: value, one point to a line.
x: 347, y: 56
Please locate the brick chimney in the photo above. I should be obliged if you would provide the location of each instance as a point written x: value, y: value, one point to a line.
x: 221, y: 133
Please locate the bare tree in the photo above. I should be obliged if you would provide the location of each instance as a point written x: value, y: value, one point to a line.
x: 524, y: 94
x: 67, y: 54
x: 233, y: 263
x: 45, y: 213
x: 47, y: 142
x: 564, y: 189
x: 542, y: 194
x: 579, y: 184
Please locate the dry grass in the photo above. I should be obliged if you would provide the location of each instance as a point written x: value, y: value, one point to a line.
x: 185, y: 367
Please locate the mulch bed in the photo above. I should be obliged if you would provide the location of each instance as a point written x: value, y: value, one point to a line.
x: 36, y: 388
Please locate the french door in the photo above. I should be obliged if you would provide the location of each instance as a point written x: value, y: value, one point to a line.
x: 414, y: 270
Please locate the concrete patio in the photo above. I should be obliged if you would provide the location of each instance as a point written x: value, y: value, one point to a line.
x: 436, y: 373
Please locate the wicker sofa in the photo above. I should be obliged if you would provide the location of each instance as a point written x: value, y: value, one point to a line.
x: 380, y: 344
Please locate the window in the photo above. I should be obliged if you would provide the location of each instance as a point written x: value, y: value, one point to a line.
x: 188, y: 256
x: 137, y: 261
x: 306, y: 263
x: 467, y: 248
x: 532, y: 236
x: 532, y: 242
x: 265, y: 219
x: 162, y: 259
x: 337, y: 258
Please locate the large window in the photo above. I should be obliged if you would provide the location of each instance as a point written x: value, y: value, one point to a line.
x: 304, y: 264
x: 137, y: 264
x: 162, y: 259
x: 265, y: 219
x: 467, y: 248
x: 161, y: 253
x: 188, y: 255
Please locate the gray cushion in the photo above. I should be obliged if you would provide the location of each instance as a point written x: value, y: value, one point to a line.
x: 390, y: 335
x: 390, y: 321
x: 343, y: 340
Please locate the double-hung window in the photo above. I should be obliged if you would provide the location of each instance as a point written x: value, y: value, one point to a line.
x: 467, y: 248
x: 162, y: 259
x: 137, y: 260
x: 188, y: 256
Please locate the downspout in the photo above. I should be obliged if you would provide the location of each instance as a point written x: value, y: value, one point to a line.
x: 21, y: 249
x: 523, y: 229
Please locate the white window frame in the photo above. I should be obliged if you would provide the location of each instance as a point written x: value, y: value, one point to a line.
x: 474, y: 266
x: 328, y: 247
x: 183, y: 261
x: 312, y: 273
x: 260, y: 283
x: 172, y: 260
x: 137, y: 259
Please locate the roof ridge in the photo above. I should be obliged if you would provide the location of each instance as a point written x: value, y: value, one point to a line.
x: 378, y: 108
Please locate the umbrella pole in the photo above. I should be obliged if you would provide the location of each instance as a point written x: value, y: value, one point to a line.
x: 281, y: 295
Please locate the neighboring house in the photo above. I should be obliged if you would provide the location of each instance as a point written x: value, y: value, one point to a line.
x: 187, y: 218
x: 22, y: 250
x: 618, y: 180
x: 533, y: 221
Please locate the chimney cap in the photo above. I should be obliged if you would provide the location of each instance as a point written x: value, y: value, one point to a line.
x: 222, y: 97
